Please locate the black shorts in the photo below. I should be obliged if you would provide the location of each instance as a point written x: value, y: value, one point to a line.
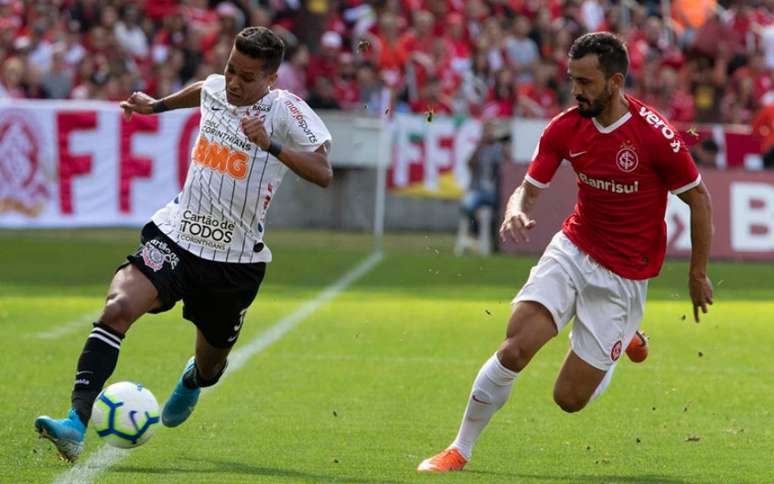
x: 215, y: 295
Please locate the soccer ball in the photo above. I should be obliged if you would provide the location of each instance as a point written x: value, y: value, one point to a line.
x: 125, y: 415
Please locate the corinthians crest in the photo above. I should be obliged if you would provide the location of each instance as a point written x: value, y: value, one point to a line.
x: 23, y: 186
x: 626, y: 158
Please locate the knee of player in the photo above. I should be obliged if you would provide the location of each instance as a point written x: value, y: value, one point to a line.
x: 512, y: 355
x: 569, y: 403
x: 117, y: 313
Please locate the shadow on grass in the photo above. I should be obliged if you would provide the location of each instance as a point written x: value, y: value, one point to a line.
x: 597, y: 478
x: 221, y: 467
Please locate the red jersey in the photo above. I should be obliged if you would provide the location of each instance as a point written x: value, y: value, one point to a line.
x: 624, y: 172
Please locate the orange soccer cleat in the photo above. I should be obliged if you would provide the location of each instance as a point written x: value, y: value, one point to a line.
x: 637, y: 350
x: 449, y: 460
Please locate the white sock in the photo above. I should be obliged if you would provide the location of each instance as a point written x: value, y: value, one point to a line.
x: 603, y: 384
x: 490, y: 392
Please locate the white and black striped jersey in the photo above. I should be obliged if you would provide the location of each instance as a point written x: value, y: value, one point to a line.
x: 221, y: 211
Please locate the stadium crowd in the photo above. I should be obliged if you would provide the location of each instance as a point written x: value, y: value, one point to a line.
x: 704, y: 61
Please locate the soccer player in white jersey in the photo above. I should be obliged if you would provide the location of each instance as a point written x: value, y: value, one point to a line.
x: 205, y: 247
x: 596, y: 269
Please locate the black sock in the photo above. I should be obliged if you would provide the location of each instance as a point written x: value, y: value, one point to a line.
x: 192, y: 379
x: 96, y: 364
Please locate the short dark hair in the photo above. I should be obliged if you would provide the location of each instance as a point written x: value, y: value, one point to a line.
x: 261, y: 43
x: 608, y: 48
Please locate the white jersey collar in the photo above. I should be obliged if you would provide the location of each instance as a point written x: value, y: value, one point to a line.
x: 614, y: 126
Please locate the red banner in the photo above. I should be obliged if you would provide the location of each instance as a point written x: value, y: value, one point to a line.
x: 742, y: 204
x: 76, y: 164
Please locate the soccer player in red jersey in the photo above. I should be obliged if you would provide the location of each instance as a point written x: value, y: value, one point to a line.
x: 596, y: 269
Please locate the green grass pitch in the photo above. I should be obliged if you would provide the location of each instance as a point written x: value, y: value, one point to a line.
x: 377, y: 379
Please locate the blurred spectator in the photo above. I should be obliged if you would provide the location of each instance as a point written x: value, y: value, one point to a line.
x: 129, y: 34
x: 322, y: 95
x: 705, y: 154
x: 502, y: 99
x: 763, y: 129
x: 326, y: 62
x: 484, y: 166
x: 12, y: 75
x: 539, y: 99
x: 345, y: 86
x: 432, y: 100
x: 479, y: 204
x: 292, y: 73
x: 522, y: 51
x: 58, y: 81
x: 475, y: 82
x: 371, y: 89
x: 40, y: 50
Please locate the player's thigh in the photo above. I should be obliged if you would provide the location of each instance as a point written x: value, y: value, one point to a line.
x: 130, y: 295
x: 576, y: 382
x: 529, y: 328
x: 541, y: 309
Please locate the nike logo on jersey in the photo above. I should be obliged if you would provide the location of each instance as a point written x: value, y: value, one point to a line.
x: 575, y: 155
x: 215, y: 108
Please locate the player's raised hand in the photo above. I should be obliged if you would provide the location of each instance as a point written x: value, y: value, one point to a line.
x: 138, y: 102
x: 253, y: 128
x: 700, y: 288
x: 516, y: 226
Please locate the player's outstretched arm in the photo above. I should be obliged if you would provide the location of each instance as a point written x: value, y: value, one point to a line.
x: 141, y: 103
x: 699, y: 284
x: 517, y: 220
x: 311, y: 166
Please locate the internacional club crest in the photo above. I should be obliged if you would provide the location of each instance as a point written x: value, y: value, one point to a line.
x: 23, y: 186
x: 615, y: 353
x: 627, y: 159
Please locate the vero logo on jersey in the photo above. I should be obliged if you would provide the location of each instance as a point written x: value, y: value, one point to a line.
x: 654, y: 120
x: 221, y: 158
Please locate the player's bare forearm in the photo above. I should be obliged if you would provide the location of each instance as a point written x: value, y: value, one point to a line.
x: 701, y: 230
x: 523, y: 199
x: 311, y: 166
x: 517, y: 222
x: 187, y: 97
x: 698, y: 199
x: 141, y: 103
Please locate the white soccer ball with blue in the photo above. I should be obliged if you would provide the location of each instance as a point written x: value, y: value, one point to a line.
x: 125, y: 415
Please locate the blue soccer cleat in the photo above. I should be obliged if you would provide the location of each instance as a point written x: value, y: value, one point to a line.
x: 181, y: 403
x: 66, y: 434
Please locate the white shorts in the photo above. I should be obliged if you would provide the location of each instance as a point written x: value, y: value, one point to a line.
x: 607, y: 307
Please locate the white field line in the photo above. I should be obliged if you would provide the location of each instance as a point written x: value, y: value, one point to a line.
x: 106, y: 456
x: 69, y: 327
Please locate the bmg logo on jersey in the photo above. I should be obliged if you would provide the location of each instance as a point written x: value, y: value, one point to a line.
x: 205, y: 230
x: 221, y: 158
